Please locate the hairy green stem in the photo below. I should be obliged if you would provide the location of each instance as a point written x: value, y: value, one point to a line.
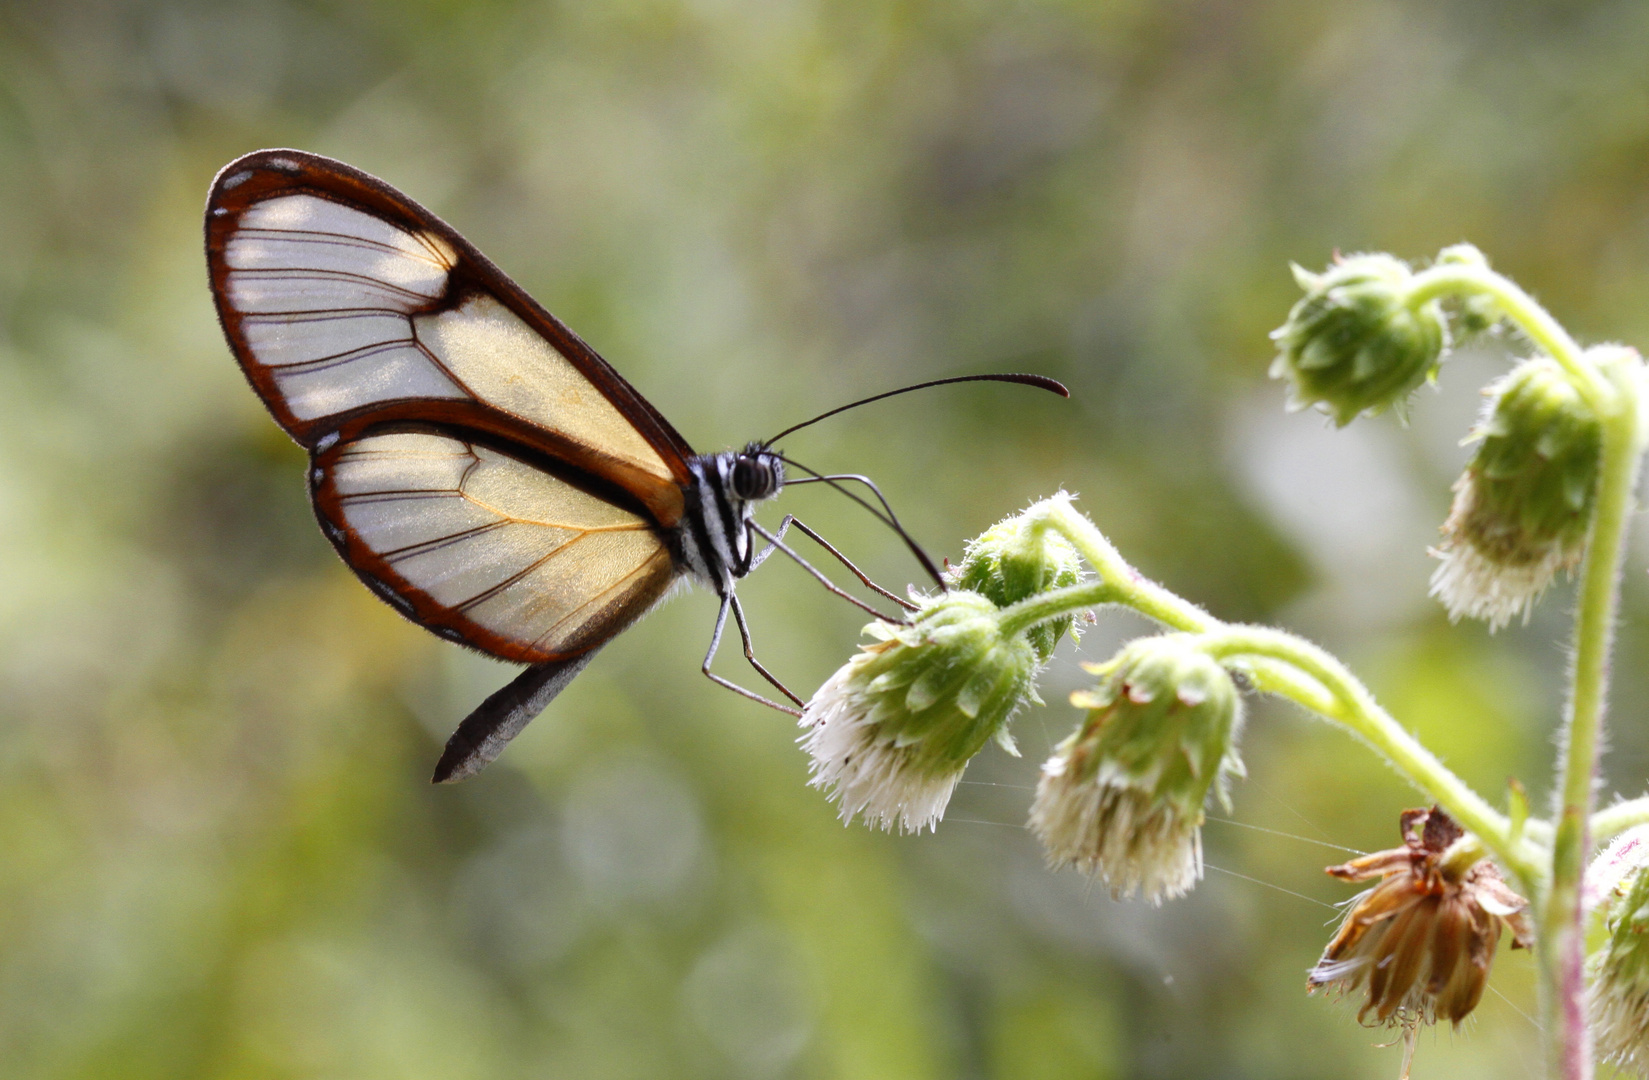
x: 1561, y: 931
x: 1611, y: 821
x: 1357, y: 710
x: 1548, y: 335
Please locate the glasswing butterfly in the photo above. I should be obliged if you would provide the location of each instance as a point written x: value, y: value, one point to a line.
x: 475, y: 463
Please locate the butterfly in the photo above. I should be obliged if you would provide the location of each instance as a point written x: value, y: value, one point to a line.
x: 476, y: 464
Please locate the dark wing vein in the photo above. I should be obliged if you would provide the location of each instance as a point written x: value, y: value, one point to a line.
x: 320, y: 314
x: 322, y: 363
x: 492, y: 591
x: 424, y: 547
x: 316, y: 236
x: 609, y: 590
x: 300, y: 273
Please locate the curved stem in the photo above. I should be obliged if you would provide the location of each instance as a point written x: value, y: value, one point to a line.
x: 1611, y: 821
x: 1454, y: 279
x: 1356, y: 708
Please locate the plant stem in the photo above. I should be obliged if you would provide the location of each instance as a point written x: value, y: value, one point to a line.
x: 1548, y: 335
x: 1356, y: 709
x: 1614, y: 820
x: 1562, y: 937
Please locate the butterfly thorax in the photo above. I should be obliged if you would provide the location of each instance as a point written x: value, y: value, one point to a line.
x: 716, y: 542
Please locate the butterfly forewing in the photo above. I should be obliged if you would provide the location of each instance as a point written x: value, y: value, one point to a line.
x: 350, y: 305
x: 474, y: 461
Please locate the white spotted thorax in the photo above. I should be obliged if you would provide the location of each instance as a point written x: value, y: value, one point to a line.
x: 716, y: 540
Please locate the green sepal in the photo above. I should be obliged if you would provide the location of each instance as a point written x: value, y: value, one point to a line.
x: 1016, y: 559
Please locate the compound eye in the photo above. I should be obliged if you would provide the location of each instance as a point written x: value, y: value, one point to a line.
x: 752, y: 479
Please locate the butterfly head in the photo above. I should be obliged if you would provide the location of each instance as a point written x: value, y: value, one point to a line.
x: 757, y: 474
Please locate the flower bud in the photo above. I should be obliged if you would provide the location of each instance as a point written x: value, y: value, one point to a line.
x: 1014, y: 560
x: 891, y: 732
x: 1122, y: 798
x: 1420, y: 943
x: 1354, y: 344
x: 1619, y: 996
x: 1524, y: 504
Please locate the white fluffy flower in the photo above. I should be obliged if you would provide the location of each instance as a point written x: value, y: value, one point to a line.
x: 892, y: 731
x: 1121, y: 799
x: 1116, y: 832
x: 1619, y: 996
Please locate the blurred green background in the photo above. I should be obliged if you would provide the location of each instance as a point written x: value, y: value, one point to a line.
x: 219, y: 853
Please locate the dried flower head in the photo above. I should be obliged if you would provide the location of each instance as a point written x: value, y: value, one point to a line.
x: 1122, y: 798
x: 1619, y: 996
x: 1523, y: 506
x: 891, y: 732
x: 1355, y: 344
x: 1420, y: 943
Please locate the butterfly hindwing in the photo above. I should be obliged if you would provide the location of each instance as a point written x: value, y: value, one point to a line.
x: 486, y: 548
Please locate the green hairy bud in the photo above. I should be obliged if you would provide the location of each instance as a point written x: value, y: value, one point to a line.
x: 1619, y: 997
x: 891, y: 732
x: 1354, y: 344
x: 1122, y: 798
x: 1524, y: 504
x: 1015, y: 559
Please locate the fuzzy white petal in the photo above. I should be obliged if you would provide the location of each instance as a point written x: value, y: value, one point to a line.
x: 1620, y: 1024
x: 1116, y: 832
x: 864, y: 770
x: 1475, y: 587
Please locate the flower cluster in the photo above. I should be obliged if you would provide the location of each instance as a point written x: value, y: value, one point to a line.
x: 1122, y: 798
x: 1419, y: 944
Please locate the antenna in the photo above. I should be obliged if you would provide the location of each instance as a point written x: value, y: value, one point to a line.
x: 889, y: 518
x: 1041, y: 382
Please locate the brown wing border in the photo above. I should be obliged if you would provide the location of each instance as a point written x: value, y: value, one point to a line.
x: 265, y: 173
x: 376, y: 572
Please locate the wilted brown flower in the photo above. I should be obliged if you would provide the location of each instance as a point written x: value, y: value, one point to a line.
x: 1421, y: 941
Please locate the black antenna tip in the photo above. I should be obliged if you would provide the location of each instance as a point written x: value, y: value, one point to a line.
x: 1040, y: 381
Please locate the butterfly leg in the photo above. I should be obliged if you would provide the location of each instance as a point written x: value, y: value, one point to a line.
x: 750, y: 650
x: 775, y: 542
x: 729, y: 603
x: 792, y: 519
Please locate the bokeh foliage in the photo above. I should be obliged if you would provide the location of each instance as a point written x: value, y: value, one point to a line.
x: 218, y: 853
